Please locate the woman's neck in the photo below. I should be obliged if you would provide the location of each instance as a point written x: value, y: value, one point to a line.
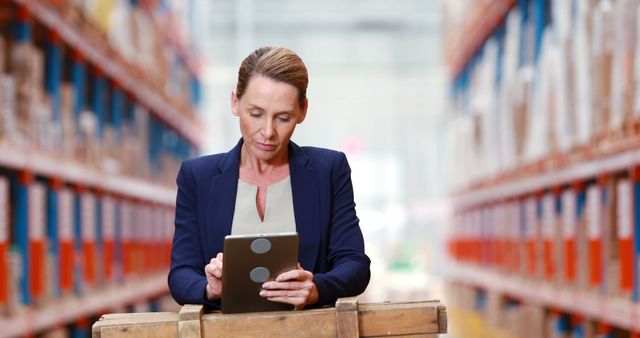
x: 260, y: 172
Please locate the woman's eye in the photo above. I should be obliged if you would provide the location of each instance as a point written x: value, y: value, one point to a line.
x: 254, y: 114
x: 284, y: 119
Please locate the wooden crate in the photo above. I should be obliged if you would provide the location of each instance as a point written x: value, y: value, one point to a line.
x: 346, y: 319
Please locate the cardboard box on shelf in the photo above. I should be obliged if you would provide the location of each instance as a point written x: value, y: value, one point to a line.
x: 625, y: 22
x: 37, y: 242
x: 635, y: 128
x: 4, y: 245
x: 625, y: 214
x: 66, y: 240
x: 549, y: 225
x: 68, y: 121
x: 596, y: 214
x: 610, y: 251
x: 88, y: 225
x: 8, y: 127
x: 14, y: 305
x: 583, y: 77
x: 42, y: 129
x: 568, y: 259
x: 602, y: 51
x: 88, y: 143
x: 582, y: 264
x: 110, y: 159
x: 534, y: 262
x: 21, y: 68
x: 108, y: 213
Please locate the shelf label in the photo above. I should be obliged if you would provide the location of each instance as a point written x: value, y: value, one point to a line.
x: 36, y: 208
x: 548, y: 215
x: 65, y: 214
x: 108, y: 217
x: 594, y: 212
x: 569, y: 214
x: 624, y: 209
x: 531, y: 218
x: 4, y: 210
x: 88, y: 212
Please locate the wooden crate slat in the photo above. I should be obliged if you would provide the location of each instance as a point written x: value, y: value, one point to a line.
x: 397, y: 319
x: 156, y: 330
x: 319, y: 323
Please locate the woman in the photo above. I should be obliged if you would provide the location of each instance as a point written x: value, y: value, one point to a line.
x: 267, y: 183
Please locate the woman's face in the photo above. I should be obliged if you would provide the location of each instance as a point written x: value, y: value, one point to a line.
x: 268, y: 112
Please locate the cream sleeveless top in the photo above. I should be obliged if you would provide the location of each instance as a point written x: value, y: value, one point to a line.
x: 278, y: 211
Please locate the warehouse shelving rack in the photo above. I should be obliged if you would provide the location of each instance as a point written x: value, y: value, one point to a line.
x: 34, y: 165
x: 618, y: 312
x: 464, y: 41
x: 115, y: 69
x: 73, y: 308
x: 594, y: 164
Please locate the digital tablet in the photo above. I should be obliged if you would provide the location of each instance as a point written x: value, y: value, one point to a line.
x: 251, y: 260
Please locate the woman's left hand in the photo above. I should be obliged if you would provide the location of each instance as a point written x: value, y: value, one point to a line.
x: 294, y: 287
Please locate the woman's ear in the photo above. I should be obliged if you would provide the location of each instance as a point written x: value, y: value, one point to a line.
x: 303, y: 111
x: 234, y: 103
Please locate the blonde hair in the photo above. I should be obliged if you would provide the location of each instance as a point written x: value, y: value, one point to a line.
x: 278, y: 63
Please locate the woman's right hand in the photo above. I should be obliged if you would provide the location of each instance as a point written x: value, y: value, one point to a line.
x: 213, y: 271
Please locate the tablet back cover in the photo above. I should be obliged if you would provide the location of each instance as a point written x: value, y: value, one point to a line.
x: 249, y: 261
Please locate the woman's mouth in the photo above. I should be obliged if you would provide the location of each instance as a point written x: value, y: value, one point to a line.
x: 266, y: 147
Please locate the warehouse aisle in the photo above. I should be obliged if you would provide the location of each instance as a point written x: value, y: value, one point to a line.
x: 493, y: 147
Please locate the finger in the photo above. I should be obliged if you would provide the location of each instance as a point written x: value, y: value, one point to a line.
x: 295, y: 285
x: 208, y: 269
x: 217, y: 263
x: 213, y: 270
x: 294, y: 275
x: 219, y: 256
x: 284, y: 294
x: 297, y: 302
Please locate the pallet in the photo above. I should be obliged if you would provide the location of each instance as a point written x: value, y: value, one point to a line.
x: 347, y: 319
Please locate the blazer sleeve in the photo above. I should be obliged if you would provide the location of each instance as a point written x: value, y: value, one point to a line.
x: 187, y: 280
x: 349, y: 272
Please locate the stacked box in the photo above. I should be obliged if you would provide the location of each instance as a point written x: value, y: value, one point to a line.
x: 533, y: 238
x: 66, y: 241
x: 67, y: 97
x: 126, y: 235
x: 583, y: 77
x: 602, y: 49
x: 611, y: 258
x: 108, y: 228
x: 88, y: 226
x: 625, y: 238
x: 569, y: 257
x: 37, y: 242
x: 4, y: 246
x: 21, y: 68
x: 622, y: 89
x: 549, y: 237
x: 8, y: 131
x: 597, y: 204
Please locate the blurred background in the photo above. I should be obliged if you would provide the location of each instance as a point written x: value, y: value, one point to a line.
x: 493, y: 147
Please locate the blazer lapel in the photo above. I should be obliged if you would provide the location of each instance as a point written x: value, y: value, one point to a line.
x: 222, y: 198
x: 304, y: 188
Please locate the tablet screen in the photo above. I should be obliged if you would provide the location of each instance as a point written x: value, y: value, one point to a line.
x: 251, y: 260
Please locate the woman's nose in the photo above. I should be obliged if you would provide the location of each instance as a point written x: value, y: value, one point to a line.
x: 268, y: 129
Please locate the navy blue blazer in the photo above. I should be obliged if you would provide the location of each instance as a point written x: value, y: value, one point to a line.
x: 330, y: 241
